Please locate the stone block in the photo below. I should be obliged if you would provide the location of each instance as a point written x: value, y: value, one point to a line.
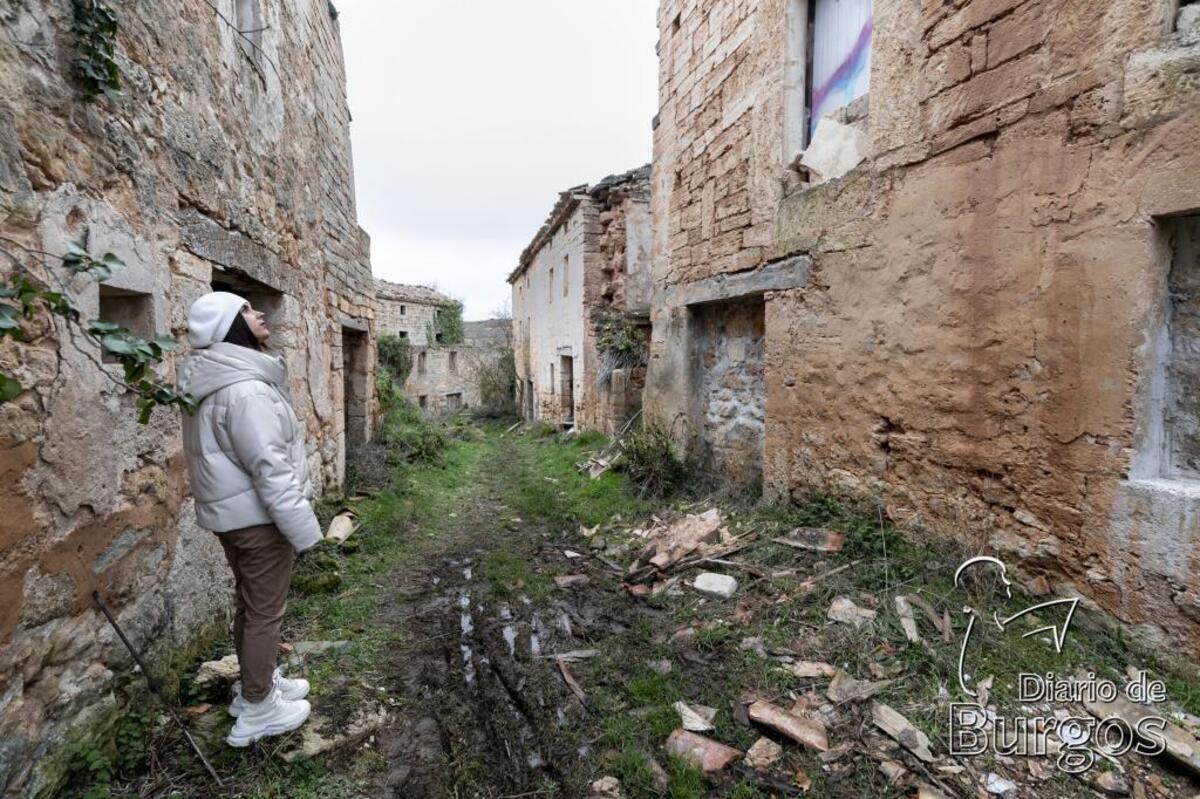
x: 1019, y: 32
x: 985, y: 92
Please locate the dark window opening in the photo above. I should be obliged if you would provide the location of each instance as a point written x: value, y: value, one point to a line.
x: 132, y: 310
x: 453, y: 362
x: 423, y: 400
x: 454, y: 401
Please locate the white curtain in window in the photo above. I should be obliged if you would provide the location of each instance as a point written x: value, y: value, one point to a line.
x: 841, y: 54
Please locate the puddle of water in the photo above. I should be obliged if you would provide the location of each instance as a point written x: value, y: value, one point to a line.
x: 468, y: 664
x: 466, y: 623
x: 437, y: 580
x: 467, y: 573
x: 535, y: 760
x: 535, y: 644
x: 464, y: 601
x: 510, y: 638
x: 505, y: 612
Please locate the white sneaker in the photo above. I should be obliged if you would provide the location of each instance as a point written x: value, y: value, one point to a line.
x: 288, y: 688
x: 272, y: 716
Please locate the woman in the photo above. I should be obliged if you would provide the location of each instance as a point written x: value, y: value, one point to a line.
x: 245, y: 454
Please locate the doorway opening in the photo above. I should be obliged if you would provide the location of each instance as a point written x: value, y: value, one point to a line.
x: 567, y: 392
x: 355, y: 383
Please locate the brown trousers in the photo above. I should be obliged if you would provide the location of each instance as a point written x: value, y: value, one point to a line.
x: 261, y: 559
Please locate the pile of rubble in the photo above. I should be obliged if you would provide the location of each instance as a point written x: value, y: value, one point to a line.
x: 838, y: 716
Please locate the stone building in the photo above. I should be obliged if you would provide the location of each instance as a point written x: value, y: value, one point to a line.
x: 588, y: 268
x: 442, y: 379
x: 962, y: 287
x: 408, y: 311
x: 224, y: 163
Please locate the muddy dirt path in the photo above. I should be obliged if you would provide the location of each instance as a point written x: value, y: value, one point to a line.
x: 486, y: 712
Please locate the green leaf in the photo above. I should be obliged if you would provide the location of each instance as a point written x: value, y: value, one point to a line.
x: 112, y: 261
x: 9, y: 388
x: 166, y: 343
x: 118, y: 345
x: 10, y: 318
x: 100, y: 327
x: 146, y: 407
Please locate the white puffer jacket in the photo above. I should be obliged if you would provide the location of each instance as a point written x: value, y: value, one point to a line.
x: 244, y: 444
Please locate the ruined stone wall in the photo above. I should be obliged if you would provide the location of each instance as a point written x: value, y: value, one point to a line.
x: 218, y: 164
x: 973, y: 325
x: 440, y: 372
x: 728, y: 398
x: 407, y: 311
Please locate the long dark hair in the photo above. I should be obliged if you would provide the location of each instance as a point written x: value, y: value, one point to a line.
x: 239, y: 333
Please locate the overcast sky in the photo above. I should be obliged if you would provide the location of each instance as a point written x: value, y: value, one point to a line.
x: 471, y: 116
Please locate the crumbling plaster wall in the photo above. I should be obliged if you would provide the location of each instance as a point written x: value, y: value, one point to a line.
x: 212, y: 160
x: 551, y: 323
x: 973, y: 344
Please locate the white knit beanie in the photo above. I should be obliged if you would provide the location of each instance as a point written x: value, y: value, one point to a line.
x: 211, y: 316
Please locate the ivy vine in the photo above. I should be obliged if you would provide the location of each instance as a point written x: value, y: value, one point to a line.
x: 447, y: 325
x: 24, y: 295
x: 95, y: 30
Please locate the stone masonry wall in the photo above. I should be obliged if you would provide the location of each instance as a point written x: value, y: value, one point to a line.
x: 407, y: 310
x: 967, y: 327
x: 444, y: 371
x: 218, y: 164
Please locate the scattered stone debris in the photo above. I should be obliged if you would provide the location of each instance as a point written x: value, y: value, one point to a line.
x: 320, y: 735
x: 907, y: 621
x: 845, y: 688
x: 720, y: 585
x: 1112, y: 783
x: 763, y: 754
x: 214, y: 672
x: 816, y: 539
x: 893, y: 770
x: 996, y: 785
x: 902, y: 730
x: 845, y: 611
x: 566, y: 581
x: 695, y: 718
x: 1181, y: 747
x: 684, y: 537
x: 809, y: 669
x: 606, y: 788
x: 807, y: 732
x: 703, y: 753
